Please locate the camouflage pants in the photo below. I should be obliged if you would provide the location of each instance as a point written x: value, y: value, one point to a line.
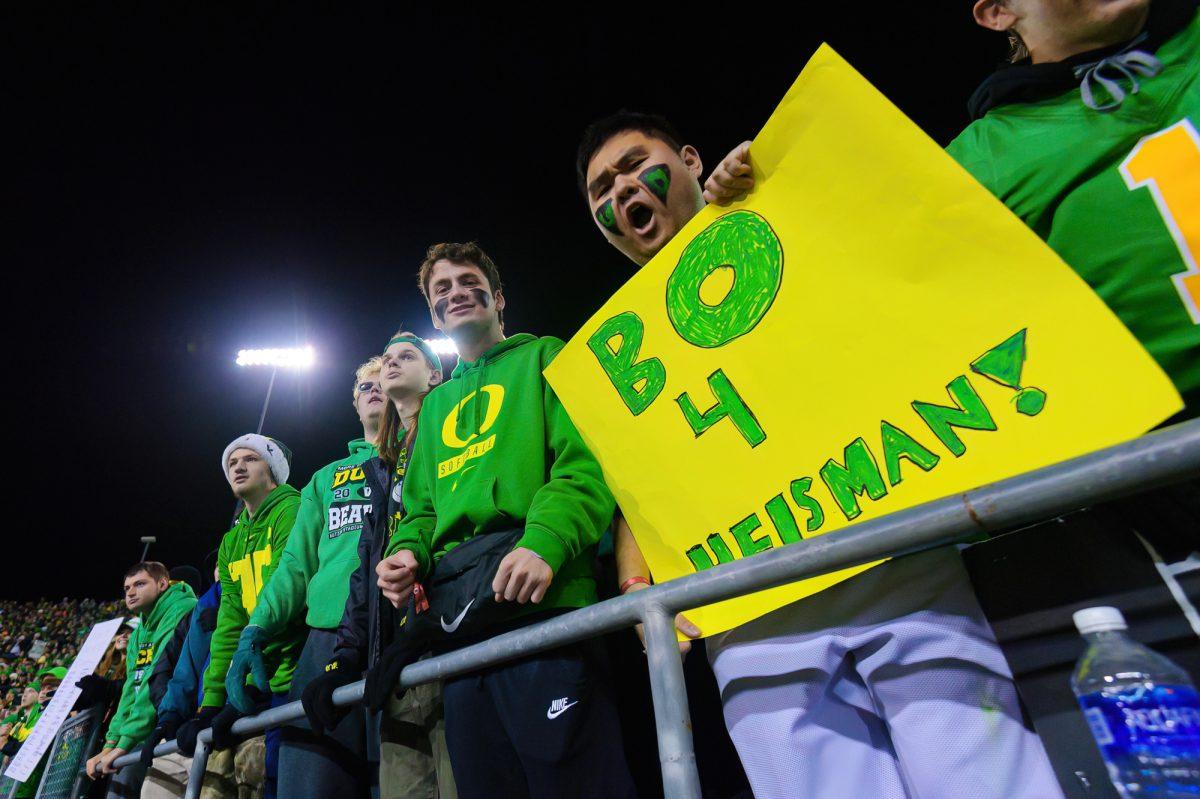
x: 236, y: 773
x: 413, y: 761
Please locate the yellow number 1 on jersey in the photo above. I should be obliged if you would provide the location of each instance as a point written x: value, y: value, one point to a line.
x: 1168, y: 164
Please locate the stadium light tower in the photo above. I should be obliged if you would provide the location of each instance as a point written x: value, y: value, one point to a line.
x: 298, y: 358
x: 443, y: 346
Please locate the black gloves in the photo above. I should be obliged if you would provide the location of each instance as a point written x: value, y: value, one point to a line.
x: 94, y: 689
x: 186, y: 734
x: 384, y: 677
x: 317, y: 698
x: 223, y: 736
x: 168, y: 726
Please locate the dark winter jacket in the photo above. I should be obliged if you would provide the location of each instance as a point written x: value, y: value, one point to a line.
x: 165, y: 665
x: 178, y: 690
x: 367, y: 613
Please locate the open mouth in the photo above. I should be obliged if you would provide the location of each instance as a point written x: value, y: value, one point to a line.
x: 376, y: 400
x: 640, y: 216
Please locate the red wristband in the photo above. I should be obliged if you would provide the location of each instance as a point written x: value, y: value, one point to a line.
x: 632, y: 580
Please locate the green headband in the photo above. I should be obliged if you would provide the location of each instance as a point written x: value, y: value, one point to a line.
x: 420, y: 344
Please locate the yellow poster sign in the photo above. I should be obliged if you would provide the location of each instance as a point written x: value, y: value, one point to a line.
x: 869, y: 330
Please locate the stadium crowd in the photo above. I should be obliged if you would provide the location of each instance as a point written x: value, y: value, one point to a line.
x: 39, y: 640
x: 470, y: 506
x: 42, y: 634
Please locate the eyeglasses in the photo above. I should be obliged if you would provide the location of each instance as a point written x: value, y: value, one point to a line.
x: 363, y: 388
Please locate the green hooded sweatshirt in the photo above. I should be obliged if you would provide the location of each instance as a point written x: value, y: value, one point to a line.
x: 134, y: 719
x: 322, y: 549
x: 495, y: 450
x: 248, y: 556
x: 22, y: 731
x: 23, y: 724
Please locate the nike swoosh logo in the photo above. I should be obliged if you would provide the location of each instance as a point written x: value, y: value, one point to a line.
x: 451, y: 627
x: 553, y: 714
x: 461, y: 475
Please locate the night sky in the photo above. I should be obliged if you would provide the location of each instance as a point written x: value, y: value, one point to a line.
x: 190, y: 182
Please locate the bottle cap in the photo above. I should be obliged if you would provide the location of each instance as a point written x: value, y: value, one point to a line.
x: 1099, y: 620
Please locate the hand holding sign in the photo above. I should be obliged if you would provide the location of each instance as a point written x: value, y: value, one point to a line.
x: 868, y: 330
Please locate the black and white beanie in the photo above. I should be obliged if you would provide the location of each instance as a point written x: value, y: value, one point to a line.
x: 277, y: 456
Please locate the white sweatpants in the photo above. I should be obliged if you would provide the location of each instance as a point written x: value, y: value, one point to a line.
x: 890, y: 684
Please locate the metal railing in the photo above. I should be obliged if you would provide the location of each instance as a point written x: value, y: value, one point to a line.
x: 1162, y: 457
x: 64, y: 776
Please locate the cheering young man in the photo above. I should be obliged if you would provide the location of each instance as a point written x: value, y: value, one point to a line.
x: 1089, y: 135
x: 498, y: 459
x: 889, y: 684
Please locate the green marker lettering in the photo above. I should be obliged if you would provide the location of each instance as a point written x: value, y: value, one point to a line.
x: 729, y: 403
x: 743, y: 242
x: 969, y: 413
x: 898, y: 444
x: 747, y: 544
x: 816, y: 516
x: 638, y: 383
x: 860, y: 475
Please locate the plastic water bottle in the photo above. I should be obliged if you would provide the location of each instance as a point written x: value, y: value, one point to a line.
x: 1142, y: 709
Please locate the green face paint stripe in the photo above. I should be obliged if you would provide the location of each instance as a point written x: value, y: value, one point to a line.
x: 658, y: 179
x: 608, y: 218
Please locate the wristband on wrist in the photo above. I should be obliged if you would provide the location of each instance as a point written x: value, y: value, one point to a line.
x: 625, y: 586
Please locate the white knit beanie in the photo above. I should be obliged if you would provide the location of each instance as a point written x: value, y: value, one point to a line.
x: 269, y: 449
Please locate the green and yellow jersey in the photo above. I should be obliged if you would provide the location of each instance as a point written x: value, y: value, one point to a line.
x: 246, y: 559
x: 1115, y: 192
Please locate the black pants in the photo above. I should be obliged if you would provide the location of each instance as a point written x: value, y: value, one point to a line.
x: 541, y: 727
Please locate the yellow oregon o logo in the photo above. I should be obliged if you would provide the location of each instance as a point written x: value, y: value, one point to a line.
x: 450, y: 437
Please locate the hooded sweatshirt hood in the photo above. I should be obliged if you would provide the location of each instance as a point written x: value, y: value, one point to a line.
x: 278, y: 494
x: 166, y: 606
x: 472, y: 375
